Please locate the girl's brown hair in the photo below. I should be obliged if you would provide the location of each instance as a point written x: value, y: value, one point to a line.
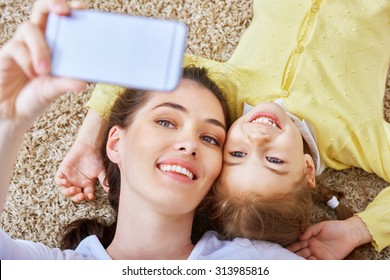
x: 280, y: 218
x: 122, y: 114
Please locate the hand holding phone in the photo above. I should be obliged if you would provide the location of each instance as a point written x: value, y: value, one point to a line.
x: 136, y: 52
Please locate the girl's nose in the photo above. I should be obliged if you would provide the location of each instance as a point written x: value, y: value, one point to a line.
x: 258, y: 137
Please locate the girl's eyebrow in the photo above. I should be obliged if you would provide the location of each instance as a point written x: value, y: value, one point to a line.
x: 185, y: 110
x: 275, y: 171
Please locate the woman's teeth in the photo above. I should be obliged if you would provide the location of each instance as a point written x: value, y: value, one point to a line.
x: 177, y: 169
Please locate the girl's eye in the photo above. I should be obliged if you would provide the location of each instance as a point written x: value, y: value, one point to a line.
x: 238, y: 154
x: 210, y: 140
x: 274, y: 160
x: 165, y: 123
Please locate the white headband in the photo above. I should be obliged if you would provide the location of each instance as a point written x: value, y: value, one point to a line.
x: 333, y: 202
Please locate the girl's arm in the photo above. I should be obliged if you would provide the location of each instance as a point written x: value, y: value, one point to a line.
x: 332, y: 240
x: 83, y: 164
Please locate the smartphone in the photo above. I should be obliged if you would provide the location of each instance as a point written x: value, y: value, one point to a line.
x: 136, y: 52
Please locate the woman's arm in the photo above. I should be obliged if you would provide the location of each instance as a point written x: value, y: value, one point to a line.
x: 11, y: 136
x: 26, y: 88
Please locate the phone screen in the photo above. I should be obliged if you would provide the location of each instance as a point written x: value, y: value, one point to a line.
x: 136, y: 52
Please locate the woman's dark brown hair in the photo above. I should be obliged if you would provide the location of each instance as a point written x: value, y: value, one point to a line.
x: 122, y: 114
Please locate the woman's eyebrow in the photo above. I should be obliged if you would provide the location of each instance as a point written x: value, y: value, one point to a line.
x: 217, y: 123
x: 173, y: 106
x: 184, y: 110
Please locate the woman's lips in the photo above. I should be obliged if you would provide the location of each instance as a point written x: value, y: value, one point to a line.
x: 179, y: 168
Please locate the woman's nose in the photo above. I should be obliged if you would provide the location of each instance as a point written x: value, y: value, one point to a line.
x: 188, y: 146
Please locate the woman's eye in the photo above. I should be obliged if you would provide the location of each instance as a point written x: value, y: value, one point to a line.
x: 210, y: 140
x: 165, y: 123
x: 238, y: 154
x: 274, y: 160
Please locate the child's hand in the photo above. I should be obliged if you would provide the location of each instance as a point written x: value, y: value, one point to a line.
x: 83, y: 164
x: 331, y: 239
x: 79, y: 170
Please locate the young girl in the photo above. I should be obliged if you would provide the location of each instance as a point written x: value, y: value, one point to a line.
x: 272, y: 153
x: 326, y: 62
x: 161, y: 181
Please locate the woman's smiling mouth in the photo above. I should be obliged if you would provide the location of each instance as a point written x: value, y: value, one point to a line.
x: 177, y: 168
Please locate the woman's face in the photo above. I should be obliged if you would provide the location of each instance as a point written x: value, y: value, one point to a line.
x: 171, y: 153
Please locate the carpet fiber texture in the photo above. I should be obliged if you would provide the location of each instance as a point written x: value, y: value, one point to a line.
x: 37, y: 211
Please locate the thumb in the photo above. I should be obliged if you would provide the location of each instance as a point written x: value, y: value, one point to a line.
x: 311, y: 231
x: 41, y: 92
x: 102, y: 176
x: 50, y: 88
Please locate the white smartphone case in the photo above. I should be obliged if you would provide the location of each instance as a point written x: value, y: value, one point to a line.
x: 136, y: 52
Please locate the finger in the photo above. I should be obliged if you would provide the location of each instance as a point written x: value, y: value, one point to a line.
x: 61, y: 180
x: 75, y: 194
x: 89, y: 193
x: 50, y: 88
x: 71, y: 191
x: 18, y: 52
x: 34, y: 99
x: 297, y: 246
x: 89, y: 196
x: 312, y: 258
x: 42, y: 8
x: 101, y: 177
x: 77, y: 5
x: 58, y: 177
x: 312, y: 230
x: 304, y: 253
x: 78, y: 198
x: 57, y: 86
x: 37, y: 48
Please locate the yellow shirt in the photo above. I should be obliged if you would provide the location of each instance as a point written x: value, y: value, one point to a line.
x: 328, y: 61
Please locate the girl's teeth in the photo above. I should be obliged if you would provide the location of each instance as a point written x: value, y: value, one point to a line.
x: 265, y: 120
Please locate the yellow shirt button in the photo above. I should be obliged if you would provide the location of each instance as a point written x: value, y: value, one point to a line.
x: 315, y: 8
x: 285, y: 93
x: 299, y: 49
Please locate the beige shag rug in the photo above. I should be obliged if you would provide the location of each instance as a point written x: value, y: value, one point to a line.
x: 37, y: 211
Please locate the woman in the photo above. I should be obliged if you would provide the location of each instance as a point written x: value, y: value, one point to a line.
x: 165, y: 149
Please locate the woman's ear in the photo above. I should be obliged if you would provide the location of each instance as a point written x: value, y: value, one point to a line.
x: 310, y: 171
x: 113, y: 144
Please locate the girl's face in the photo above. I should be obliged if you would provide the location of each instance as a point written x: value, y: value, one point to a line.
x: 264, y: 153
x: 171, y: 153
